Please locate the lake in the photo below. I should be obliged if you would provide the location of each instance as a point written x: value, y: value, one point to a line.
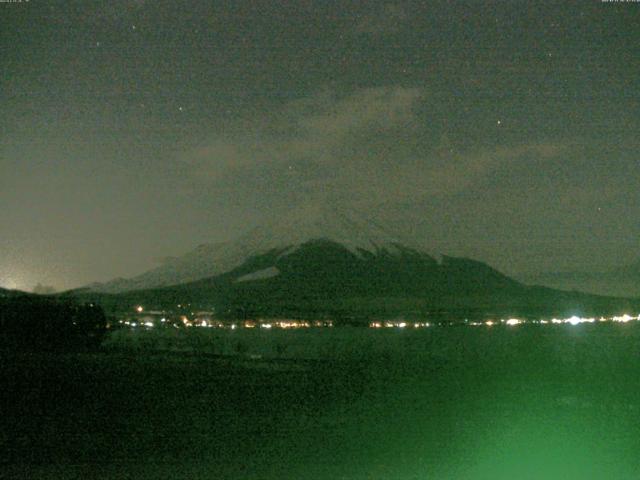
x: 553, y: 401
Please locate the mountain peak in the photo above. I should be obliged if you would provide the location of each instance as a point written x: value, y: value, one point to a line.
x: 354, y: 230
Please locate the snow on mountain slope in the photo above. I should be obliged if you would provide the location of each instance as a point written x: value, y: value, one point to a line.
x: 268, y: 272
x: 353, y: 230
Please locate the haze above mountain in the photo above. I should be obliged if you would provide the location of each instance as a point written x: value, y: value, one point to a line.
x: 622, y: 281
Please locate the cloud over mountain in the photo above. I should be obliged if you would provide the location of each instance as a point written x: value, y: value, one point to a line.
x: 370, y: 146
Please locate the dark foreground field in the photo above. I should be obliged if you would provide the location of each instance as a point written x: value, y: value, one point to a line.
x: 548, y: 402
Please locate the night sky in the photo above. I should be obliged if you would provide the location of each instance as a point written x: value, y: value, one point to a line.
x: 135, y: 130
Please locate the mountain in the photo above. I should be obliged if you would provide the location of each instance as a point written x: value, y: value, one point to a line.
x: 330, y: 262
x: 621, y: 281
x: 355, y: 231
x: 325, y: 279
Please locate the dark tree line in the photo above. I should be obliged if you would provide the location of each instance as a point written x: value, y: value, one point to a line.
x: 50, y: 323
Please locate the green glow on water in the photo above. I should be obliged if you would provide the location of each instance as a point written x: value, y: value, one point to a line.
x: 548, y: 445
x: 459, y: 404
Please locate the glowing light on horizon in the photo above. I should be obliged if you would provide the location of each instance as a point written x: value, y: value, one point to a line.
x: 151, y: 317
x: 624, y: 318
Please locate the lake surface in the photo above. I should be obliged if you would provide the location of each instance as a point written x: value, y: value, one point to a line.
x: 345, y: 403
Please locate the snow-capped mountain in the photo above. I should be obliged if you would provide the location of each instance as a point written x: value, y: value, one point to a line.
x: 355, y: 231
x: 331, y: 262
x: 322, y: 278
